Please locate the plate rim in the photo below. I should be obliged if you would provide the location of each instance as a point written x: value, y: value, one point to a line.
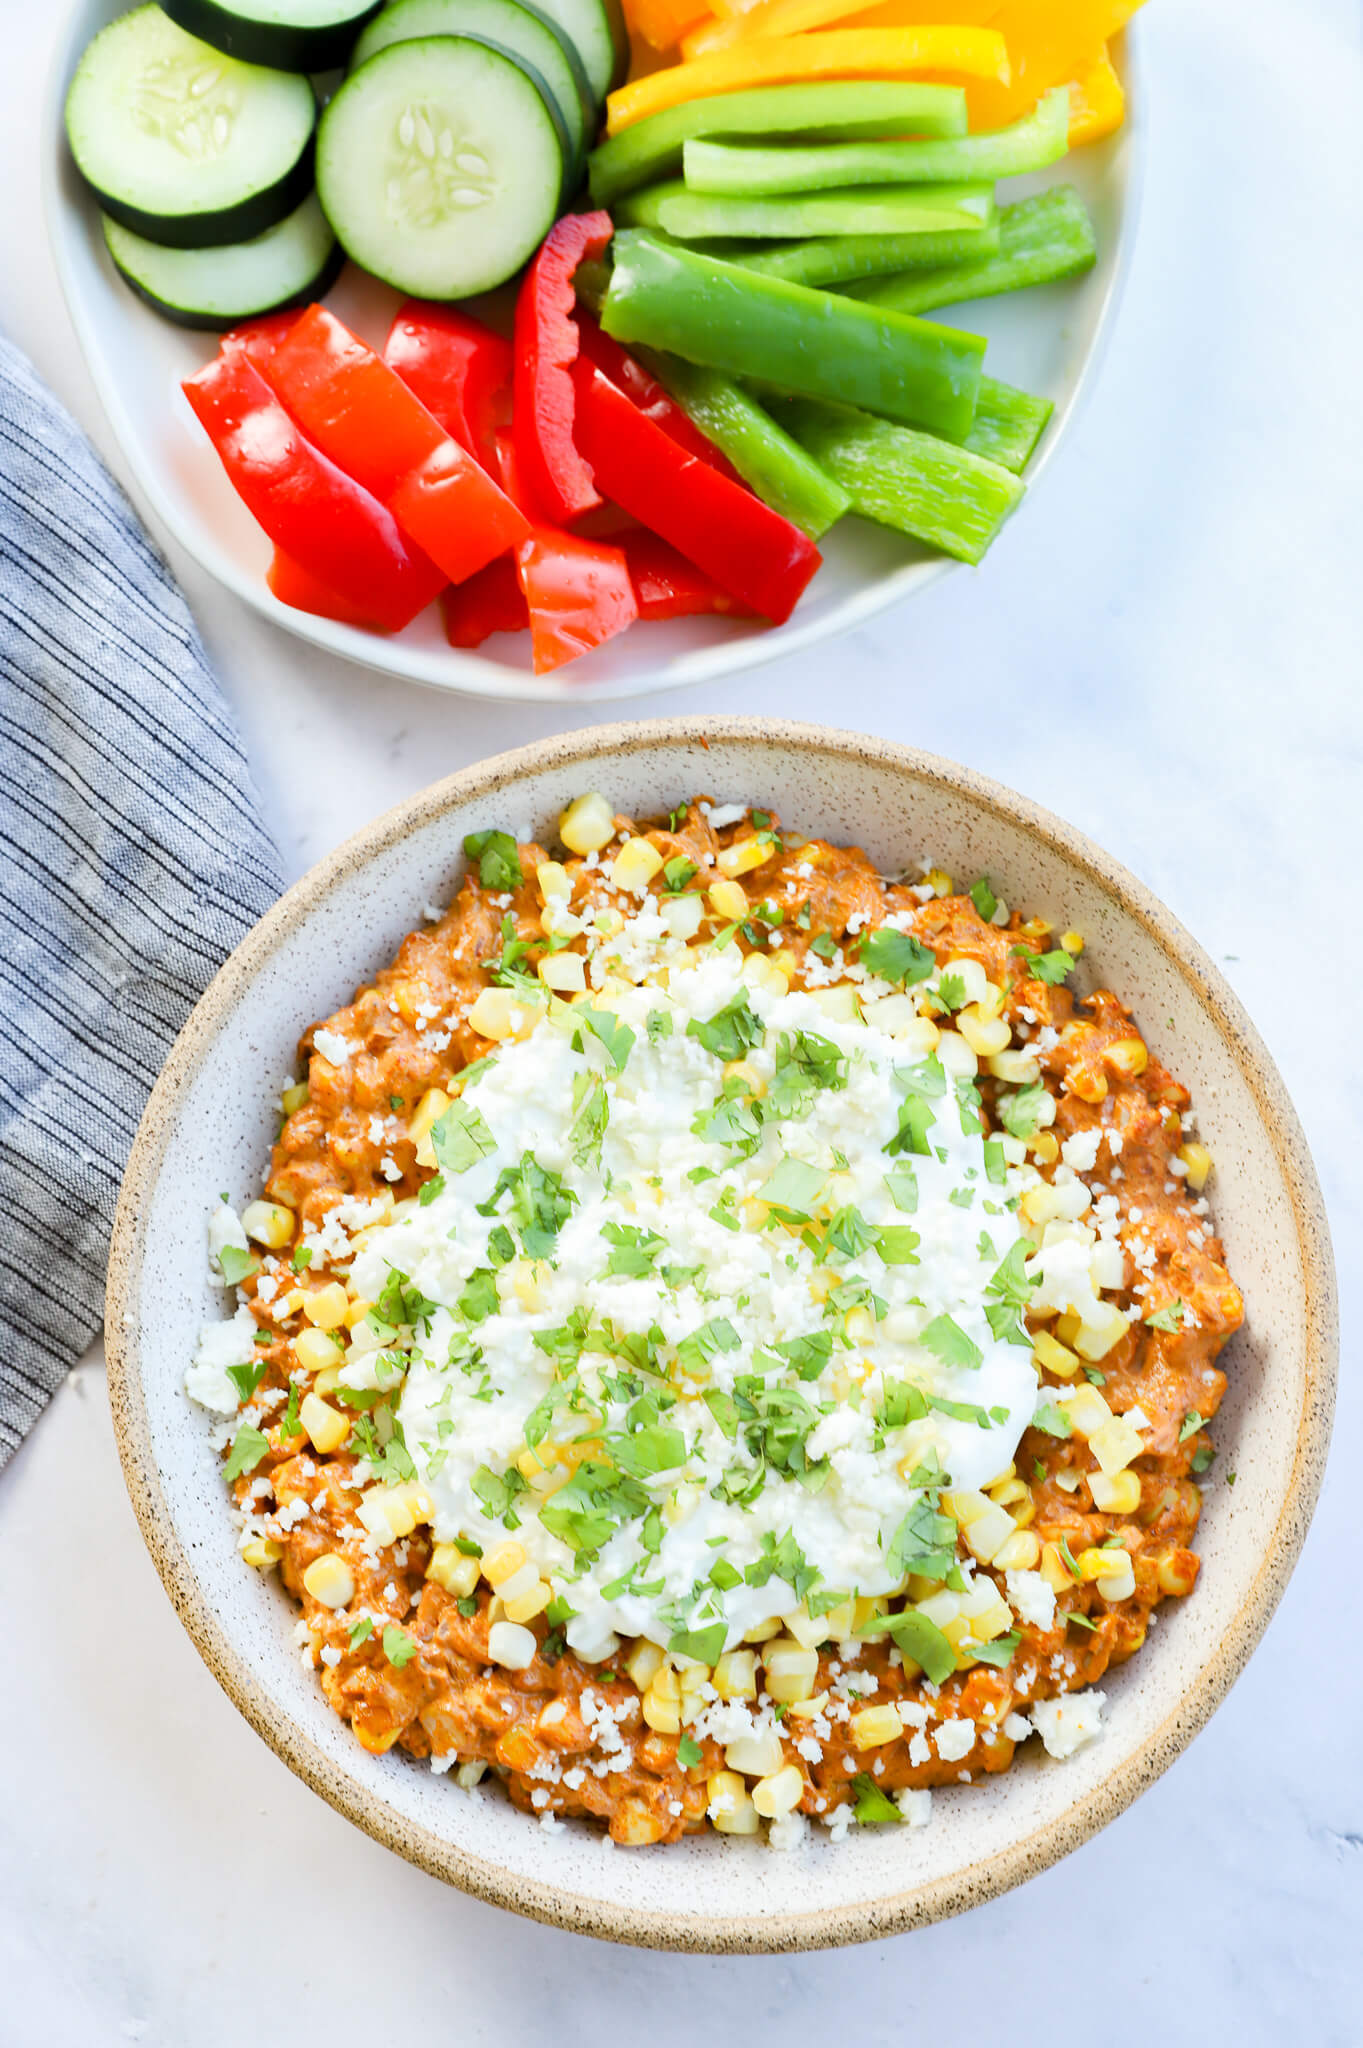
x: 470, y: 674
x: 752, y: 1932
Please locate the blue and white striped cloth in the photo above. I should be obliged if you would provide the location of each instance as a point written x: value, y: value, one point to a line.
x: 133, y: 859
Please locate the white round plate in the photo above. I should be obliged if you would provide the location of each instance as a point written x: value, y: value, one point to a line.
x: 1046, y: 340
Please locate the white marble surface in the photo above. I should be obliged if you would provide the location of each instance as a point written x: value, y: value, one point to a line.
x: 1164, y: 647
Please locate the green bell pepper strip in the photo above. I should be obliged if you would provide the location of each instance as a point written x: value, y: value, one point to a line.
x: 763, y: 453
x: 839, y: 259
x: 1008, y: 424
x: 1040, y: 241
x: 751, y: 172
x: 945, y: 496
x: 834, y: 111
x: 814, y: 344
x: 864, y: 210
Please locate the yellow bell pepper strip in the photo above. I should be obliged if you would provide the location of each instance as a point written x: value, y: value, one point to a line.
x: 839, y: 259
x: 945, y: 496
x: 1041, y: 240
x: 862, y: 210
x: 663, y: 23
x: 1097, y: 103
x: 1049, y: 43
x: 796, y: 17
x: 945, y: 53
x: 811, y: 343
x: 1031, y: 144
x: 839, y: 111
x: 762, y: 452
x: 1008, y: 424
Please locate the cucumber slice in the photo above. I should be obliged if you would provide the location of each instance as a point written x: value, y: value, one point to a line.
x: 439, y: 165
x: 183, y: 145
x: 292, y: 35
x: 291, y: 264
x: 596, y: 28
x: 516, y: 26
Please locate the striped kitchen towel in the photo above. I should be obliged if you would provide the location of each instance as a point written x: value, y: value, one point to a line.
x: 134, y: 858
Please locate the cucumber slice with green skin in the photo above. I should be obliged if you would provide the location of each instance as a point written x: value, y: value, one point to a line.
x: 439, y: 165
x: 290, y: 35
x: 183, y: 145
x: 516, y: 26
x: 596, y: 29
x: 291, y: 264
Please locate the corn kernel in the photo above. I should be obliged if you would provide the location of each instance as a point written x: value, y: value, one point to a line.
x: 643, y: 1664
x: 1128, y: 1056
x: 1073, y: 944
x: 730, y: 1808
x: 1177, y: 1573
x: 501, y: 1562
x: 588, y: 824
x: 317, y: 1351
x: 757, y: 1754
x: 779, y: 1794
x: 662, y: 1703
x: 839, y: 1002
x: 451, y: 1569
x: 262, y: 1553
x: 874, y: 1726
x: 496, y: 1013
x: 330, y: 1580
x: 1006, y: 1491
x: 510, y: 1645
x: 1016, y: 1069
x: 325, y: 1308
x: 735, y: 1675
x: 988, y: 1532
x: 1087, y: 1085
x: 555, y: 883
x: 326, y: 1426
x: 268, y: 1223
x: 634, y: 867
x: 744, y: 855
x: 808, y: 1630
x: 428, y: 1111
x: 682, y: 914
x: 987, y: 1037
x: 1198, y: 1161
x: 746, y: 1072
x: 358, y: 1310
x: 525, y: 1606
x: 1054, y: 1569
x: 790, y: 1671
x: 1118, y: 1493
x: 1019, y: 1554
x: 1094, y: 1564
x: 565, y: 973
x: 294, y: 1098
x: 762, y: 1632
x: 939, y: 881
x: 1114, y: 1444
x: 761, y: 972
x: 1095, y: 1340
x: 805, y: 1710
x: 1118, y: 1583
x: 1086, y: 1409
x: 1044, y: 1148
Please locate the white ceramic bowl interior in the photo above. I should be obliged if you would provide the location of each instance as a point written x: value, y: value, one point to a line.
x: 210, y: 1128
x: 1045, y: 340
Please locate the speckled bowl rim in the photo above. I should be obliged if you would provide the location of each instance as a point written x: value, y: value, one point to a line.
x: 866, y: 1920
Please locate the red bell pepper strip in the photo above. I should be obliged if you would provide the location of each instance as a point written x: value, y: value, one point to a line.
x: 298, y: 588
x: 490, y: 602
x: 667, y: 586
x: 630, y: 376
x: 578, y: 592
x: 259, y: 339
x: 327, y: 522
x: 459, y: 369
x: 359, y: 412
x: 754, y: 554
x: 546, y: 348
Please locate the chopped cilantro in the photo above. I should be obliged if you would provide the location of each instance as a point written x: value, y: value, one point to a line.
x: 1020, y: 1111
x: 1000, y: 1651
x: 635, y: 1250
x: 677, y: 872
x: 1171, y: 1318
x: 1007, y: 1295
x: 398, y: 1646
x: 897, y: 1244
x: 872, y: 1805
x: 983, y: 898
x: 605, y: 1026
x: 248, y: 1448
x: 460, y: 1137
x: 689, y: 1752
x: 896, y: 957
x: 361, y: 1630
x: 730, y: 1032
x: 498, y: 858
x: 237, y: 1264
x: 1052, y: 1420
x: 302, y: 1258
x: 1191, y: 1424
x: 949, y: 1343
x: 792, y: 1188
x: 591, y: 1113
x: 246, y: 1378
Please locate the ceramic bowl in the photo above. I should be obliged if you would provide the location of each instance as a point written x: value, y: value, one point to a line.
x: 209, y: 1124
x: 1047, y: 340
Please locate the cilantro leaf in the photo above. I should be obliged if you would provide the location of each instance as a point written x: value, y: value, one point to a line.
x: 1171, y: 1318
x: 918, y: 1638
x: 730, y: 1032
x: 872, y: 1805
x: 791, y: 1189
x: 248, y: 1448
x: 1007, y: 1295
x: 1000, y: 1651
x: 635, y: 1250
x: 1020, y: 1112
x: 677, y: 872
x: 461, y: 1138
x: 950, y: 1344
x: 246, y: 1378
x: 1190, y: 1425
x: 983, y: 898
x: 498, y: 858
x: 689, y: 1752
x: 1048, y: 967
x: 1052, y: 1420
x: 236, y: 1264
x: 706, y: 1644
x: 398, y: 1646
x: 605, y: 1026
x: 896, y: 957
